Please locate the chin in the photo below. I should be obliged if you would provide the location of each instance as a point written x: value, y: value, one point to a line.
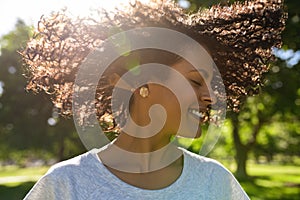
x: 191, y: 136
x: 198, y: 135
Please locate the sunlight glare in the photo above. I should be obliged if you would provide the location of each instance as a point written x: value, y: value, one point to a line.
x: 31, y: 10
x: 1, y: 88
x: 84, y: 8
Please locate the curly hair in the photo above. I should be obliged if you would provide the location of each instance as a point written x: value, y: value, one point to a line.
x: 239, y: 38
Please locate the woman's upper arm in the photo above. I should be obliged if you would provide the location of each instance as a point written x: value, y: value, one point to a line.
x: 53, y: 185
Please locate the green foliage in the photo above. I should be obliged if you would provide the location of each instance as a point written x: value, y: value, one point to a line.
x: 17, y: 38
x: 24, y: 130
x: 291, y: 34
x: 195, y: 5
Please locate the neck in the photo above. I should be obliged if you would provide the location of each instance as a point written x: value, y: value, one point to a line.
x: 136, y: 155
x: 142, y: 145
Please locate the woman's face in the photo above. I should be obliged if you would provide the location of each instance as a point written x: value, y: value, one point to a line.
x: 193, y: 114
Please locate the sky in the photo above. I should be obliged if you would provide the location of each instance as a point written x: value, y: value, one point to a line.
x: 31, y: 10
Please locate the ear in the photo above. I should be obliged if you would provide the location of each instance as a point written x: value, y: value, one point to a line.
x: 115, y: 78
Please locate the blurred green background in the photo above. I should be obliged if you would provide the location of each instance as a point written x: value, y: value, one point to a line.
x: 260, y: 144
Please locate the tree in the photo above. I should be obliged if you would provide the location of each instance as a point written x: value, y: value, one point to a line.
x: 279, y: 99
x: 23, y: 116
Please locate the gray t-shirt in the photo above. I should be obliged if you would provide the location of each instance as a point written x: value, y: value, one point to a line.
x: 85, y: 177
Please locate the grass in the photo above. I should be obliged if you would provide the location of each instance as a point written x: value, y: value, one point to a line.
x: 15, y: 182
x: 267, y: 181
x: 16, y: 171
x: 273, y: 182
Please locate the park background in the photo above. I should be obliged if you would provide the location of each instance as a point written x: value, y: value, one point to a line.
x: 260, y: 144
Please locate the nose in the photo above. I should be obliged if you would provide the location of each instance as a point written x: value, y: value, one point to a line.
x: 208, y: 97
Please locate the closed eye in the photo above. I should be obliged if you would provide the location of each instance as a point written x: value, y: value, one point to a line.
x: 196, y: 82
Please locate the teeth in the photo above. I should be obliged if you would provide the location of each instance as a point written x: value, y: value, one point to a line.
x: 196, y: 113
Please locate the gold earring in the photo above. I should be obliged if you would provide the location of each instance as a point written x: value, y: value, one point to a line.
x: 144, y: 92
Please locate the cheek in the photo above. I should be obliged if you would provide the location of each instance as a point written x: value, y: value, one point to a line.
x: 178, y: 106
x: 190, y: 98
x: 172, y: 106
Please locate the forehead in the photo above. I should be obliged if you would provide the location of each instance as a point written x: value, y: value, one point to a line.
x: 204, y: 68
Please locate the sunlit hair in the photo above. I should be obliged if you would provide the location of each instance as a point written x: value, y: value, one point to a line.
x: 239, y: 39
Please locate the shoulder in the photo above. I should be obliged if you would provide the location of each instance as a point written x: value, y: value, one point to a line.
x: 199, y: 161
x: 199, y: 164
x: 219, y: 180
x: 75, y: 163
x: 79, y: 168
x: 66, y: 179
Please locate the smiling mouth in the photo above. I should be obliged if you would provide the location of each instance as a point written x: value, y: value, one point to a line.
x: 197, y: 114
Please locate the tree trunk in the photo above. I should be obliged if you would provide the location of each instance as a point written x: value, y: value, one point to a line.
x: 242, y: 150
x: 61, y: 148
x: 241, y: 160
x: 241, y: 155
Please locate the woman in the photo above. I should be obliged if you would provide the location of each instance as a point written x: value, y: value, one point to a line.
x: 144, y: 164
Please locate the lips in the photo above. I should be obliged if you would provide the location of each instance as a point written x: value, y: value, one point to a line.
x: 199, y: 115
